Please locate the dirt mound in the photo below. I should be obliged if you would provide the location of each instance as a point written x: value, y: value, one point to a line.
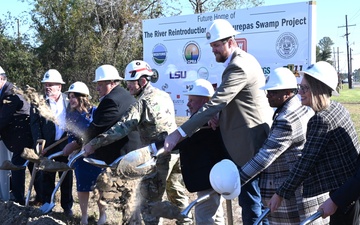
x: 13, y: 213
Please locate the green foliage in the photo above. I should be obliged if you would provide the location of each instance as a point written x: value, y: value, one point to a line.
x: 323, y: 50
x: 18, y: 61
x: 77, y: 36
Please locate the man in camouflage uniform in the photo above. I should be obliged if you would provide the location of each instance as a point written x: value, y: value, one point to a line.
x: 152, y: 114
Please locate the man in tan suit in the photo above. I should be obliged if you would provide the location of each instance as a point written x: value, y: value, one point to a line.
x: 243, y: 109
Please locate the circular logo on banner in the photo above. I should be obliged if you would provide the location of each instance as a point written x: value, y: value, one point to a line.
x: 203, y: 73
x: 287, y: 45
x: 159, y: 54
x: 191, y: 52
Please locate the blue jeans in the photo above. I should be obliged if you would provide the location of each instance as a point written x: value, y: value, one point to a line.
x: 250, y: 202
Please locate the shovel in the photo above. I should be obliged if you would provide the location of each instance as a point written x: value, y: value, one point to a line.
x: 47, y: 207
x: 159, y: 148
x: 312, y: 218
x: 8, y: 165
x: 262, y: 216
x: 102, y: 164
x: 152, y: 161
x: 186, y: 211
x: 57, y: 154
x: 39, y: 148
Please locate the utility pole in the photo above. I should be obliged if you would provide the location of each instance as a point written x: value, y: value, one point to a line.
x: 338, y: 64
x: 334, y: 59
x: 347, y: 47
x: 351, y: 63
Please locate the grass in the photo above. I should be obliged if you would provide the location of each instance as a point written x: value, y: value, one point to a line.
x: 350, y: 98
x: 348, y: 95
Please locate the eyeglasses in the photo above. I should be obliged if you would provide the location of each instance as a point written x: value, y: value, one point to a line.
x: 303, y: 88
x: 273, y: 92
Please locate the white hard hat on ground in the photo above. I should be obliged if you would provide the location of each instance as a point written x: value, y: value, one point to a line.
x: 325, y: 73
x: 2, y: 71
x: 52, y: 76
x: 106, y: 72
x: 79, y: 87
x: 225, y: 179
x: 219, y: 29
x: 279, y: 79
x: 201, y: 87
x: 136, y: 69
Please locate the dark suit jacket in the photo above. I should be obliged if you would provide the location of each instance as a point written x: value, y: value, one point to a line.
x: 348, y: 192
x: 198, y: 154
x: 14, y: 120
x: 41, y: 128
x: 109, y: 111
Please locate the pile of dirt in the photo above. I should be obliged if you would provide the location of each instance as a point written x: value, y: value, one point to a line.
x: 13, y: 213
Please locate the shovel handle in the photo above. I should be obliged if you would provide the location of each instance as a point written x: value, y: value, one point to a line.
x: 53, y: 145
x: 56, y: 154
x: 262, y: 216
x: 311, y: 218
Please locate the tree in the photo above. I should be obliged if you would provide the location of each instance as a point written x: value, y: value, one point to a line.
x: 323, y: 50
x: 17, y: 56
x: 77, y: 36
x: 202, y: 6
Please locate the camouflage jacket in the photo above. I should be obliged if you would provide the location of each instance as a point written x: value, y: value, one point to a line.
x: 152, y: 114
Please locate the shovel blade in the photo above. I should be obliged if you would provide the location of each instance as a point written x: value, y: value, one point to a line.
x: 47, y: 207
x: 96, y: 162
x: 149, y: 163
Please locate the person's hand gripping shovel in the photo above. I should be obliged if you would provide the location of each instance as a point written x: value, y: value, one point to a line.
x: 155, y: 149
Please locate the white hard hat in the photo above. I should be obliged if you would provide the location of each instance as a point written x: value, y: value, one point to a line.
x: 2, y: 71
x: 201, y: 87
x: 325, y: 73
x: 279, y: 79
x: 79, y: 87
x: 137, y: 69
x: 225, y: 179
x: 106, y: 72
x: 52, y: 76
x: 219, y: 29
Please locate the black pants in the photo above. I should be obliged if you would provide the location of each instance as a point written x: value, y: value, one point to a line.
x: 351, y: 217
x: 18, y: 179
x: 48, y: 186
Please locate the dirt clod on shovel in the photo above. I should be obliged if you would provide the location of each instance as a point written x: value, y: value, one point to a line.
x: 29, y: 154
x: 166, y: 209
x: 8, y: 165
x: 53, y: 166
x: 128, y: 166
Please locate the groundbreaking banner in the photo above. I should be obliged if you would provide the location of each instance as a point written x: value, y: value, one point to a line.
x: 279, y: 35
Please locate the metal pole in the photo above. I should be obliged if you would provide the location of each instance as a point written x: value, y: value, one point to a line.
x: 229, y: 212
x: 347, y: 53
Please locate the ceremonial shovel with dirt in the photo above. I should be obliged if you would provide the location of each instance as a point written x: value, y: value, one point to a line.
x: 47, y: 207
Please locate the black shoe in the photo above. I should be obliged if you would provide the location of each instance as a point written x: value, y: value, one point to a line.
x: 68, y: 213
x: 35, y: 203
